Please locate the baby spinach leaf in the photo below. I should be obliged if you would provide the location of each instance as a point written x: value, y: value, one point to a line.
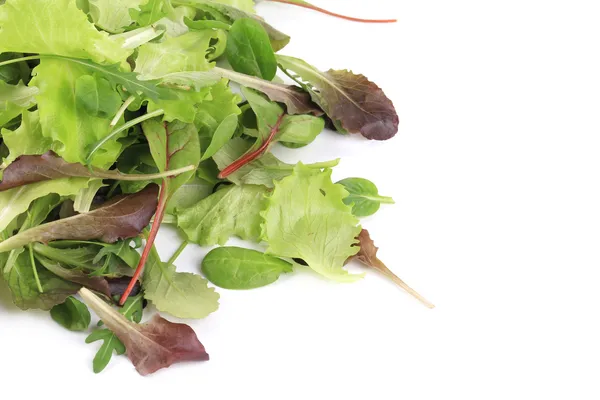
x: 121, y: 218
x: 232, y: 211
x: 364, y: 197
x: 151, y: 346
x: 72, y: 314
x: 239, y: 268
x: 306, y: 218
x: 368, y: 256
x: 132, y: 310
x: 249, y: 50
x: 180, y: 294
x: 354, y: 103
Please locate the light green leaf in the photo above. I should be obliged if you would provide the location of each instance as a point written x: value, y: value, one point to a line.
x: 244, y: 5
x: 183, y: 295
x: 306, y: 218
x: 189, y: 194
x: 220, y: 105
x: 113, y: 15
x: 150, y: 12
x: 55, y: 27
x: 27, y: 139
x: 84, y: 198
x: 72, y: 314
x: 364, y: 196
x: 175, y: 54
x: 97, y: 96
x: 262, y: 171
x: 221, y: 136
x: 233, y: 210
x: 14, y: 99
x: 14, y: 202
x: 66, y: 120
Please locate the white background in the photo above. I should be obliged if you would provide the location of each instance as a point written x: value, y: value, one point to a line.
x: 495, y: 174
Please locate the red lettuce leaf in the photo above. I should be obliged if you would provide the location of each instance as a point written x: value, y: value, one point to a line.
x: 153, y: 345
x: 30, y: 169
x: 120, y: 218
x: 354, y: 103
x: 368, y: 256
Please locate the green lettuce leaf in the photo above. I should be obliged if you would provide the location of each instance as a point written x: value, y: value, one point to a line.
x: 231, y: 211
x: 27, y: 139
x: 14, y: 99
x: 14, y: 202
x: 113, y: 15
x: 70, y: 116
x: 306, y: 218
x: 181, y: 294
x: 55, y: 27
x: 175, y: 54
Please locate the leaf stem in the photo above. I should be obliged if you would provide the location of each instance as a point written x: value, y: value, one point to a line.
x: 35, y: 273
x: 142, y: 177
x: 122, y: 128
x: 121, y: 111
x: 178, y: 252
x: 158, y: 216
x: 17, y: 60
x: 386, y: 200
x: 321, y: 10
x: 381, y: 267
x: 253, y: 155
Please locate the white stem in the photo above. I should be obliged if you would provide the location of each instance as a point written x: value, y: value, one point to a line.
x: 121, y: 111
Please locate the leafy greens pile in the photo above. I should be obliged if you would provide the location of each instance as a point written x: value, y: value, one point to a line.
x: 115, y: 119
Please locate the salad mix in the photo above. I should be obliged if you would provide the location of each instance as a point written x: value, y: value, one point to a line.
x: 118, y: 116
